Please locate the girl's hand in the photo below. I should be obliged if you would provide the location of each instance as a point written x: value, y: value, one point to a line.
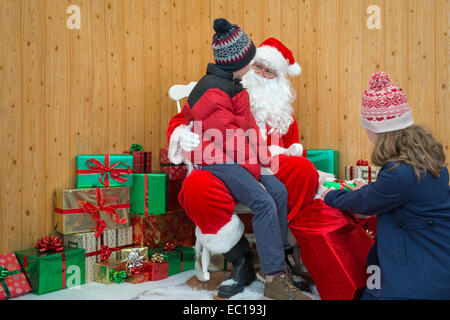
x: 325, y: 193
x: 358, y: 183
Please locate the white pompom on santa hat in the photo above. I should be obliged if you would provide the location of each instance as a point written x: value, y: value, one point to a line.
x: 278, y: 57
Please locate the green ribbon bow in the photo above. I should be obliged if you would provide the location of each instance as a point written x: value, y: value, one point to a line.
x: 118, y: 276
x: 4, y: 273
x: 136, y: 147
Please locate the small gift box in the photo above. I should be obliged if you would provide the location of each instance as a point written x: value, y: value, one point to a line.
x: 104, y: 171
x: 337, y: 185
x: 149, y: 194
x: 159, y: 267
x: 175, y: 172
x: 110, y: 272
x: 93, y: 209
x: 363, y: 171
x: 95, y: 247
x: 326, y: 160
x: 142, y: 160
x: 180, y: 258
x: 140, y: 274
x: 172, y: 226
x: 50, y: 266
x: 13, y: 282
x: 138, y: 269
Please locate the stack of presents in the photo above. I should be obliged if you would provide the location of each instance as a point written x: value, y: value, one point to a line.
x: 122, y: 223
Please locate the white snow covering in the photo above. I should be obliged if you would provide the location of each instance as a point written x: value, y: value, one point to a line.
x: 171, y: 288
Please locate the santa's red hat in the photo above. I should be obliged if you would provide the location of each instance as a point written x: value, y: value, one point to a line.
x: 278, y: 57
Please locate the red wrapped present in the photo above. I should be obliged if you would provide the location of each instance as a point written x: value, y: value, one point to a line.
x: 334, y: 249
x: 142, y: 161
x: 13, y: 282
x: 175, y: 172
x: 172, y: 226
x: 159, y: 267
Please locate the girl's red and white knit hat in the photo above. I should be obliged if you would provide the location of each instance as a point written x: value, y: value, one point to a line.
x: 384, y: 106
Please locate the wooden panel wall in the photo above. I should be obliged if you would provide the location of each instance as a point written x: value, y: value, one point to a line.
x: 101, y: 88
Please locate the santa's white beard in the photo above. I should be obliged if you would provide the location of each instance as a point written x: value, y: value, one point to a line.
x: 270, y: 100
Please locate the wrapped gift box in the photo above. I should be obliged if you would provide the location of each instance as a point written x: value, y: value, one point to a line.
x: 104, y: 272
x: 180, y: 258
x: 337, y: 185
x: 149, y: 194
x: 175, y: 172
x: 144, y: 274
x: 158, y: 270
x: 93, y: 209
x: 364, y: 172
x: 13, y: 282
x: 53, y: 271
x: 104, y: 171
x: 327, y: 238
x: 115, y: 239
x: 326, y: 160
x: 142, y: 161
x: 172, y: 226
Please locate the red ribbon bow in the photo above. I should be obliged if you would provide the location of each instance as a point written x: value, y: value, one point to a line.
x: 169, y: 246
x: 94, y: 211
x: 105, y: 253
x: 362, y: 162
x: 341, y: 183
x: 49, y: 244
x: 136, y: 270
x: 98, y: 167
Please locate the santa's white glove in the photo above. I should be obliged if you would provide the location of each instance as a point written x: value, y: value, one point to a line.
x: 276, y: 150
x: 182, y: 139
x: 188, y: 139
x: 295, y: 149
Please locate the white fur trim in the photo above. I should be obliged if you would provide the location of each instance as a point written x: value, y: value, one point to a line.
x: 225, y: 238
x: 272, y: 58
x: 394, y: 124
x: 175, y: 152
x: 294, y: 70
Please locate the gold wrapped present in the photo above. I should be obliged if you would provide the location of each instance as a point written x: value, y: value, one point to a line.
x: 112, y: 272
x: 93, y: 209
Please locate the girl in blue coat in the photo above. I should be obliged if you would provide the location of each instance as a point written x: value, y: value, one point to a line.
x: 411, y: 198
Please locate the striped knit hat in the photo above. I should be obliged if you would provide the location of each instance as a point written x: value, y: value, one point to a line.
x: 384, y: 106
x: 232, y: 48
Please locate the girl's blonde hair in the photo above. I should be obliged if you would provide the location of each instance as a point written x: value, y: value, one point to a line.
x: 413, y: 146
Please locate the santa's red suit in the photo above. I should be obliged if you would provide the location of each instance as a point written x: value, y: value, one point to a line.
x: 208, y: 202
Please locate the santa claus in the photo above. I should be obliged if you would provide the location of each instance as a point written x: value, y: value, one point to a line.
x: 205, y: 198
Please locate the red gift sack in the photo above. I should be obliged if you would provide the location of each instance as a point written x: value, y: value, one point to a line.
x: 334, y: 249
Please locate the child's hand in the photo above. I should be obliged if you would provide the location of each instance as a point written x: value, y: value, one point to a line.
x: 358, y: 183
x: 325, y: 193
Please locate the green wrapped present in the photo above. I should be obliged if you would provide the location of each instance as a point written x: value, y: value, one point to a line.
x: 326, y: 160
x: 337, y: 185
x: 51, y: 271
x: 149, y: 194
x: 104, y: 171
x: 180, y: 258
